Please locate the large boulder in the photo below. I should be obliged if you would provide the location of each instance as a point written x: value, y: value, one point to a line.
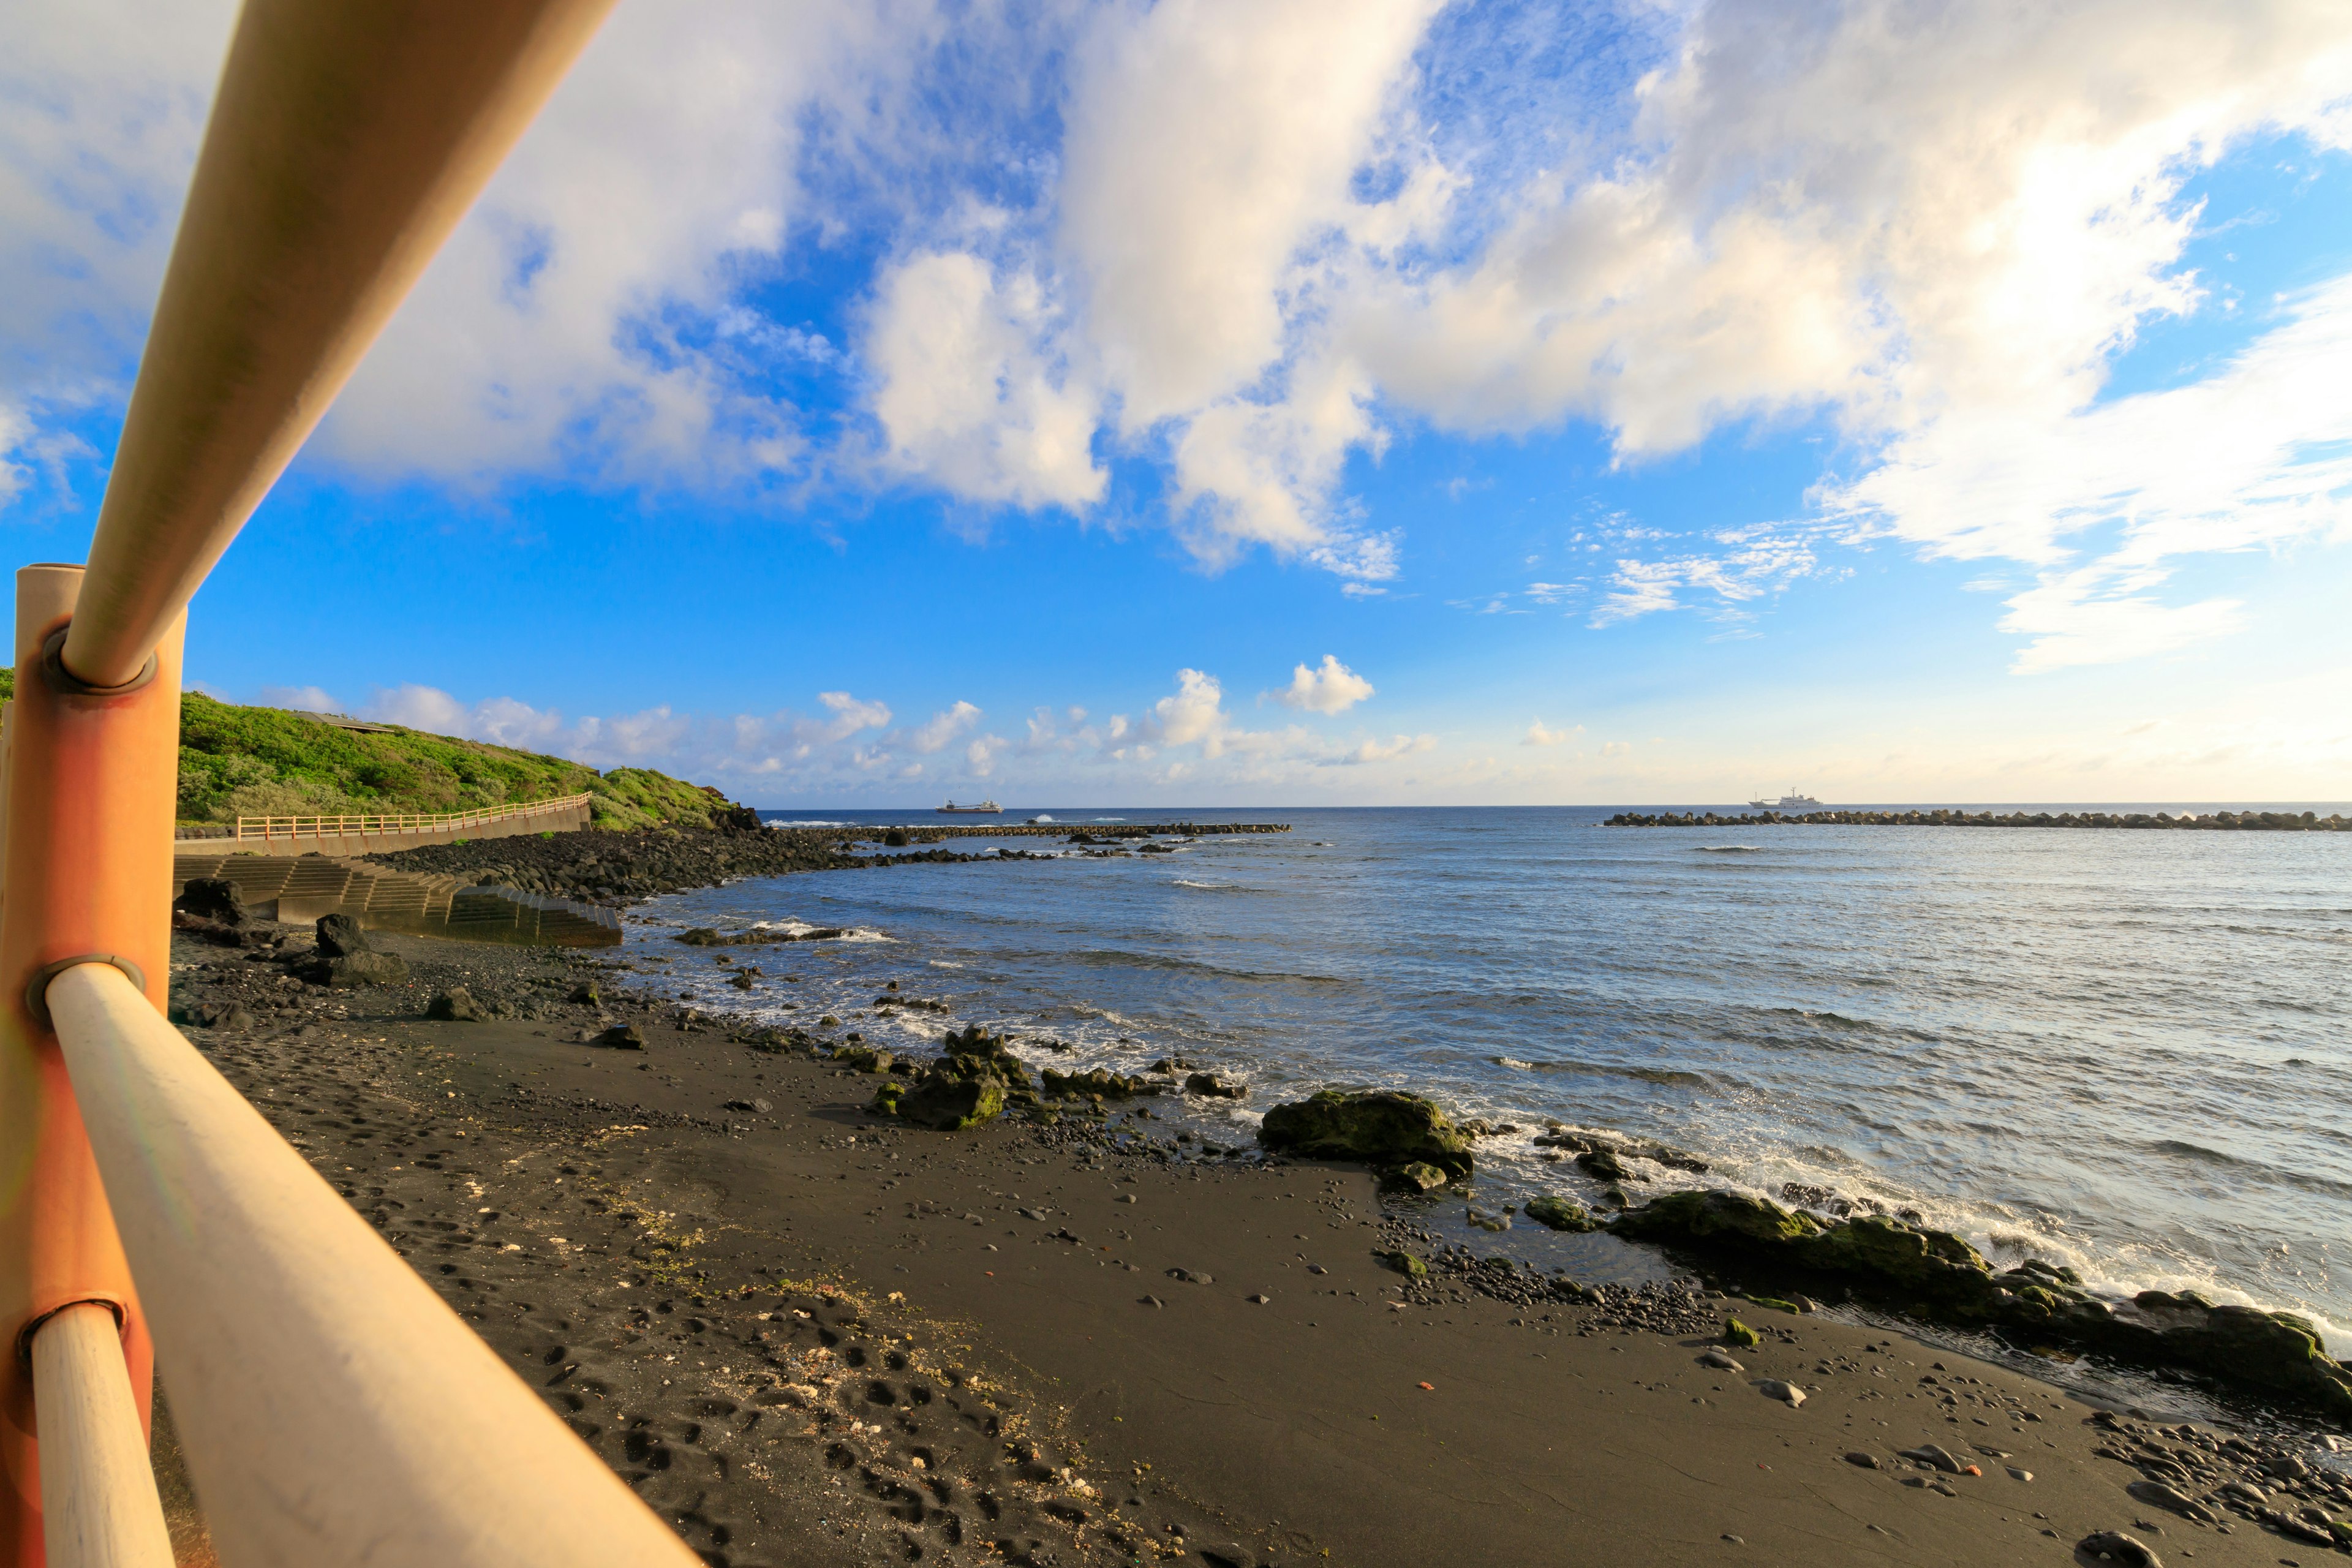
x: 454, y: 1006
x: 340, y: 936
x: 212, y: 899
x: 1378, y: 1126
x: 212, y: 910
x: 357, y: 968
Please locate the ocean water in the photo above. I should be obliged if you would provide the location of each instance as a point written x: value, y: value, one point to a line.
x: 2124, y: 1051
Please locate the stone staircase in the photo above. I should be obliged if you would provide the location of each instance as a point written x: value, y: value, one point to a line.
x: 299, y: 888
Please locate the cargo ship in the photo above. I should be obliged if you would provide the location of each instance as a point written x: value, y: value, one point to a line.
x: 985, y: 808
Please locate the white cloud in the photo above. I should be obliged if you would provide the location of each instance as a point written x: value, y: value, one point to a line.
x: 1751, y: 566
x: 1330, y: 687
x: 849, y: 716
x: 1538, y: 735
x: 1193, y: 715
x: 2256, y: 454
x: 966, y: 394
x: 937, y: 733
x: 1383, y: 750
x: 15, y: 431
x: 1208, y: 140
x: 1266, y: 237
x: 301, y: 699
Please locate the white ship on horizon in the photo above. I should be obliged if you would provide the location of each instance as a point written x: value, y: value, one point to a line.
x: 1791, y: 801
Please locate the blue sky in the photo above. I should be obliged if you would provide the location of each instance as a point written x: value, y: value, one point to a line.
x: 1214, y: 401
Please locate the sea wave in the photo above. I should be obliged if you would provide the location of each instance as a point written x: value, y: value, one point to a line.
x: 1675, y: 1077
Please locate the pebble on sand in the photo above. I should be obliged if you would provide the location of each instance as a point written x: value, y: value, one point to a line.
x: 2115, y: 1546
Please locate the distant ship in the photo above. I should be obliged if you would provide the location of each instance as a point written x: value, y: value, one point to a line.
x: 985, y: 808
x: 1792, y: 801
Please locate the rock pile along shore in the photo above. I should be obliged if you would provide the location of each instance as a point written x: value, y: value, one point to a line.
x: 613, y: 868
x: 2220, y: 821
x: 600, y: 866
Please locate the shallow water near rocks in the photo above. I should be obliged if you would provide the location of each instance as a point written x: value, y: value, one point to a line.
x: 2122, y: 1051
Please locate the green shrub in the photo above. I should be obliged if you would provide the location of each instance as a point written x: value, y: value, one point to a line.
x: 268, y: 761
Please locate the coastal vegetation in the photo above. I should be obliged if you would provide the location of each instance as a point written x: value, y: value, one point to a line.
x: 237, y: 760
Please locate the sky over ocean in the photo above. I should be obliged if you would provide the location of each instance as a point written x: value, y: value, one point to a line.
x: 1337, y: 402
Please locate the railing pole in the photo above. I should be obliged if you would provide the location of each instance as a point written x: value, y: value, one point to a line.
x: 334, y: 1409
x: 345, y: 143
x: 98, y: 1490
x: 92, y: 783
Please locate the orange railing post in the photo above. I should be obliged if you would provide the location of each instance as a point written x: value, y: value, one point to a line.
x: 344, y: 144
x: 93, y: 779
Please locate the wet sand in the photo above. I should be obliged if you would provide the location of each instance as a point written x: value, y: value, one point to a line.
x: 810, y: 1337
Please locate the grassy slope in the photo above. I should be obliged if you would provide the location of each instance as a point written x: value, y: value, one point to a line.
x: 258, y: 762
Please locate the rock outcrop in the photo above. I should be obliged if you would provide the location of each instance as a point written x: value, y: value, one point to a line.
x: 1935, y: 1275
x: 1384, y: 1127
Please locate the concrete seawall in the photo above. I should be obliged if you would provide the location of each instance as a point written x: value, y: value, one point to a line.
x: 297, y: 889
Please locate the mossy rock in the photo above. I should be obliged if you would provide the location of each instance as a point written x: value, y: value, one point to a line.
x: 1559, y: 1214
x: 1378, y: 1126
x: 1886, y: 1249
x: 1096, y: 1081
x: 2277, y: 1351
x: 979, y: 1048
x: 1736, y: 1332
x: 863, y: 1058
x: 1404, y: 1263
x: 886, y: 1098
x: 1716, y: 1216
x: 1938, y: 1277
x: 1420, y: 1176
x: 1603, y: 1165
x: 949, y: 1102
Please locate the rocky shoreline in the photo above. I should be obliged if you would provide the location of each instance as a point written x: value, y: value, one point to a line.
x: 603, y: 868
x: 1890, y: 1262
x: 809, y: 1329
x: 2216, y: 822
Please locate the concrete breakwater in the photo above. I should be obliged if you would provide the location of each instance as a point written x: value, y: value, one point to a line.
x: 2216, y: 822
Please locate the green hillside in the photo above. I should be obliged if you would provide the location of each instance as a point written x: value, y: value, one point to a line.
x: 266, y: 762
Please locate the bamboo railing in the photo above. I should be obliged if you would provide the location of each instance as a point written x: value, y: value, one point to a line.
x: 267, y: 829
x: 333, y: 1409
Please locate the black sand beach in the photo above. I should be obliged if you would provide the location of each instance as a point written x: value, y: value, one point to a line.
x: 809, y: 1336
